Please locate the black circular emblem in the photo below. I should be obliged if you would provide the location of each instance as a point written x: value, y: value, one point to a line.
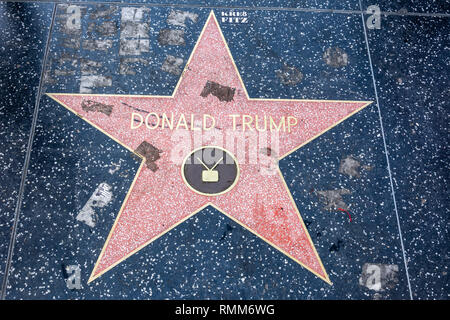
x: 210, y: 170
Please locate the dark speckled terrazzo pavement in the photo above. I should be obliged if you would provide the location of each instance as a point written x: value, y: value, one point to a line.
x: 396, y: 245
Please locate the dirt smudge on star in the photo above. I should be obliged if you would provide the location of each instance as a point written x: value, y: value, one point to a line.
x: 93, y: 106
x: 223, y: 93
x: 150, y: 153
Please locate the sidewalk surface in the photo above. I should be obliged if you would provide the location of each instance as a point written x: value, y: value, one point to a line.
x: 93, y: 207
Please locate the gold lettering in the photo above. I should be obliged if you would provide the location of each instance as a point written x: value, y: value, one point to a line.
x: 133, y: 116
x: 273, y: 124
x: 257, y: 126
x: 169, y: 122
x: 182, y: 117
x: 193, y: 123
x: 205, y: 116
x: 247, y: 123
x: 290, y: 124
x: 157, y: 120
x: 234, y: 116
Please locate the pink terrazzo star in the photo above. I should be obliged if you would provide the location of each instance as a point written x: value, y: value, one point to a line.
x: 159, y: 199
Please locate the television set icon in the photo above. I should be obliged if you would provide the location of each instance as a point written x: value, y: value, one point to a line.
x: 210, y: 175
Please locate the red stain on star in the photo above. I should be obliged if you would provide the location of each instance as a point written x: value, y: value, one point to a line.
x: 160, y: 199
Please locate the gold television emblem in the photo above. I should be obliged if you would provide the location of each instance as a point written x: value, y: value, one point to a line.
x: 210, y: 175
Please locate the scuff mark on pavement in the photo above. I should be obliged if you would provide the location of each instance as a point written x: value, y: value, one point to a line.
x: 228, y: 230
x: 115, y: 167
x: 71, y: 43
x: 133, y: 13
x: 335, y: 247
x: 67, y: 64
x: 63, y: 72
x: 89, y: 66
x: 68, y: 58
x: 106, y: 29
x: 178, y: 18
x: 335, y: 57
x: 134, y: 47
x: 223, y: 93
x: 97, y: 45
x: 289, y: 75
x: 133, y: 28
x: 134, y: 31
x: 171, y: 37
x: 87, y: 82
x: 103, y: 11
x: 126, y: 65
x: 172, y: 65
x: 99, y: 199
x: 351, y: 167
x: 333, y: 199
